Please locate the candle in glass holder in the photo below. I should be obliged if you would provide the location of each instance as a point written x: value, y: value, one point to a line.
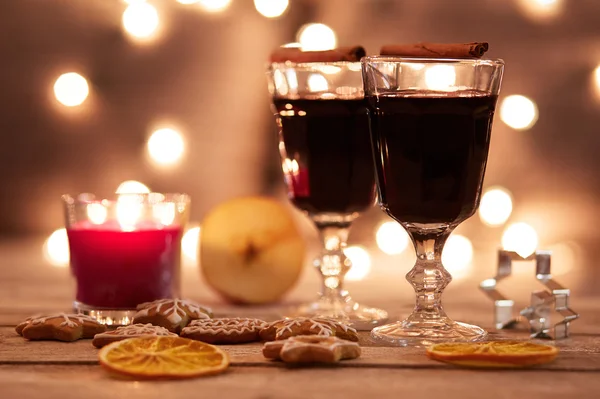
x: 124, y: 252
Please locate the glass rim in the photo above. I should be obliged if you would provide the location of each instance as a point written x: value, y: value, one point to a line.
x: 152, y: 197
x: 291, y: 64
x: 431, y: 60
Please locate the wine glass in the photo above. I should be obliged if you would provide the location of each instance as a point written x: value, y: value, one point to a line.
x: 327, y: 163
x: 430, y: 128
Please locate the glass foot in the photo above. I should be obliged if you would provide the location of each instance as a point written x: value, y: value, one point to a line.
x: 344, y: 310
x: 109, y: 317
x: 427, y: 332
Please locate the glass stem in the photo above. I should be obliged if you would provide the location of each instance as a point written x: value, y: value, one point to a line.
x: 333, y: 265
x: 428, y: 277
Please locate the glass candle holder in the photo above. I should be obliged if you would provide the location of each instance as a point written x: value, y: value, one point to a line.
x: 124, y: 251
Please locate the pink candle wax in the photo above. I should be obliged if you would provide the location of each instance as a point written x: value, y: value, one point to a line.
x: 119, y: 269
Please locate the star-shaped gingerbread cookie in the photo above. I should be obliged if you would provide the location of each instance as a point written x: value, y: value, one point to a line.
x: 282, y: 329
x: 172, y: 314
x: 311, y: 349
x: 130, y: 331
x: 60, y: 327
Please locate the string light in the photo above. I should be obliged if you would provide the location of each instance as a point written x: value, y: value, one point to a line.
x: 190, y: 244
x: 520, y: 238
x: 214, y: 6
x: 457, y: 255
x: 132, y: 187
x: 56, y: 248
x: 316, y: 37
x: 271, y: 8
x: 71, y: 89
x: 166, y: 146
x: 496, y: 206
x: 361, y: 263
x: 440, y: 77
x: 518, y: 112
x: 541, y: 10
x: 391, y: 238
x: 140, y: 20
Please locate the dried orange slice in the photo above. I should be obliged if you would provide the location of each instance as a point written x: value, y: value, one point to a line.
x: 496, y: 354
x: 163, y: 357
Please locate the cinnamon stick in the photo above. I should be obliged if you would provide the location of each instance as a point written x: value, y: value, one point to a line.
x: 351, y: 54
x: 437, y: 50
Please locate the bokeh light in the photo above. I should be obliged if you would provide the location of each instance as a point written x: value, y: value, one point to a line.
x: 214, y: 6
x: 496, y: 206
x: 541, y: 9
x: 129, y: 211
x: 188, y: 1
x: 166, y: 146
x: 597, y: 80
x: 520, y: 238
x: 271, y: 8
x: 164, y: 212
x: 440, y: 77
x: 140, y: 20
x: 457, y: 255
x: 190, y: 245
x: 316, y: 37
x: 97, y: 213
x: 317, y: 82
x: 71, y: 89
x: 361, y: 263
x: 518, y: 112
x: 56, y: 248
x: 132, y: 187
x: 391, y: 238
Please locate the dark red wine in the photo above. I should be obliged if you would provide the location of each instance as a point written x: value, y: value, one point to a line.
x: 431, y: 150
x: 326, y: 153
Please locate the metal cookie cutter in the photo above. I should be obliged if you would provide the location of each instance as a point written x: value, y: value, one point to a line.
x: 543, y: 303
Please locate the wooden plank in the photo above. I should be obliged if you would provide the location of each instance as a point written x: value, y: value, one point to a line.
x: 92, y: 382
x: 579, y: 353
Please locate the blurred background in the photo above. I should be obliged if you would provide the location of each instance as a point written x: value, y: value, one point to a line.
x: 172, y: 94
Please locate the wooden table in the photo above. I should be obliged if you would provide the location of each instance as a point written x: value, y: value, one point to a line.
x: 63, y: 370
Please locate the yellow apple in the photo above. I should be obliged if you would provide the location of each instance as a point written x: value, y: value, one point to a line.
x: 251, y: 252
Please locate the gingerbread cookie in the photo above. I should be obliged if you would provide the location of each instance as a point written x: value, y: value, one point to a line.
x: 60, y: 327
x: 311, y: 349
x: 224, y: 331
x: 172, y: 314
x: 130, y: 331
x: 282, y: 329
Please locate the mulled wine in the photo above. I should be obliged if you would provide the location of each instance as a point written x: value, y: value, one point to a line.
x: 431, y: 151
x: 326, y: 154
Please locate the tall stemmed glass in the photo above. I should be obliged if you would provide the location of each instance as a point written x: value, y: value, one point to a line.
x: 430, y: 128
x: 328, y: 168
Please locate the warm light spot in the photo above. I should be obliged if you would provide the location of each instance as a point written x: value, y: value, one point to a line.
x: 292, y: 80
x: 292, y: 45
x: 190, y: 245
x: 440, y: 77
x: 281, y: 86
x: 166, y: 146
x: 518, y: 112
x: 132, y: 187
x: 361, y: 263
x: 97, y: 213
x: 140, y: 20
x: 329, y: 69
x: 214, y: 5
x: 496, y: 206
x: 520, y: 238
x: 56, y: 248
x: 290, y: 166
x: 317, y: 82
x: 316, y: 37
x: 391, y: 238
x: 597, y: 80
x: 188, y: 1
x: 564, y: 257
x: 129, y: 210
x: 457, y: 255
x: 271, y: 8
x: 541, y: 9
x: 71, y: 89
x: 164, y: 212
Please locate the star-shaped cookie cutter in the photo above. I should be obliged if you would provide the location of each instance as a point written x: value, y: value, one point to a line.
x: 542, y: 302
